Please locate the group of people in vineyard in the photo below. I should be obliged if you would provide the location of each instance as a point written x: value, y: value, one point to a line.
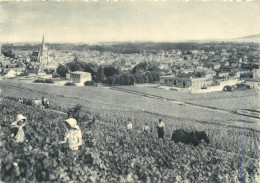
x: 73, y: 136
x: 146, y: 129
x: 72, y: 139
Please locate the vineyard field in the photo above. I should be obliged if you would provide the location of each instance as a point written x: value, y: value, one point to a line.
x: 222, y: 100
x: 107, y: 99
x: 110, y: 154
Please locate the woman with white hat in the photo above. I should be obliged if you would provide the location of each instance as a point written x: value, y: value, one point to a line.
x: 17, y: 128
x: 73, y: 136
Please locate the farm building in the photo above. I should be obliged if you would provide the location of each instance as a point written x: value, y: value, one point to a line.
x: 79, y: 78
x: 184, y: 81
x: 253, y: 83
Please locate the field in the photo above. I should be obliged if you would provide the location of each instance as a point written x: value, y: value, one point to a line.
x: 234, y: 138
x: 110, y: 154
x: 222, y: 100
x: 105, y: 98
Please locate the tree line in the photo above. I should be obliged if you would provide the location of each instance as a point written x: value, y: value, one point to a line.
x: 144, y: 72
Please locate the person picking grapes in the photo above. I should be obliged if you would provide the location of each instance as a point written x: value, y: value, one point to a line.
x: 160, y: 129
x: 17, y: 128
x: 129, y: 125
x: 73, y: 136
x: 146, y: 128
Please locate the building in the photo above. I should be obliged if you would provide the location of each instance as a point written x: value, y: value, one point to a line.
x: 223, y: 74
x: 79, y: 78
x: 43, y: 52
x: 256, y: 73
x: 253, y: 83
x: 35, y: 56
x: 42, y: 55
x: 184, y: 81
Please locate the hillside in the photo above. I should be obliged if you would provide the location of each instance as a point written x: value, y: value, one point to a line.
x: 109, y: 154
x: 252, y: 38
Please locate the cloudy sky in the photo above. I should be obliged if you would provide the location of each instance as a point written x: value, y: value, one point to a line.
x: 92, y: 22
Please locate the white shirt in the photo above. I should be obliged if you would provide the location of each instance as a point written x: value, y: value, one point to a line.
x: 129, y: 126
x: 161, y: 124
x: 146, y: 128
x: 74, y: 139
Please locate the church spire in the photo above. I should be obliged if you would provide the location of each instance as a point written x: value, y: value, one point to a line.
x: 43, y: 44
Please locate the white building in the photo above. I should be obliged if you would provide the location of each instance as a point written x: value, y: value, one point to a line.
x: 79, y: 78
x: 253, y: 83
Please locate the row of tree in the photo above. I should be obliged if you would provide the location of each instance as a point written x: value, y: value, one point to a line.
x: 144, y: 72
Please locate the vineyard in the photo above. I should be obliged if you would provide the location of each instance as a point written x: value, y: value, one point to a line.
x: 110, y: 154
x: 104, y: 99
x: 223, y: 100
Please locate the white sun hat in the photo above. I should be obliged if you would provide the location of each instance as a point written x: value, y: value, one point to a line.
x: 19, y: 117
x: 72, y: 122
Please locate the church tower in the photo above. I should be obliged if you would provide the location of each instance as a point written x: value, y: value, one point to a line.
x: 43, y: 51
x: 43, y: 45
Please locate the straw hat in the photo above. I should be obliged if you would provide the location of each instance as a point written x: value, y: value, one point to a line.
x: 19, y: 117
x: 72, y: 122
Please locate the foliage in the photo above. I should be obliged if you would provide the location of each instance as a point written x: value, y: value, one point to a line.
x: 8, y: 52
x: 246, y: 75
x: 227, y: 88
x: 24, y: 74
x: 145, y: 66
x: 123, y: 79
x: 217, y: 124
x: 70, y: 84
x: 83, y: 66
x: 62, y: 70
x: 50, y: 81
x: 109, y: 154
x: 110, y: 71
x: 89, y: 83
x: 100, y: 75
x: 39, y: 81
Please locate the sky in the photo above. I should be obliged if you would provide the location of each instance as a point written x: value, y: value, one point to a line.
x: 93, y: 22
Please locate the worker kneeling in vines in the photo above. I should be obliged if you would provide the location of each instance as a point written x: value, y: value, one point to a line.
x: 17, y: 128
x: 73, y: 137
x: 146, y: 128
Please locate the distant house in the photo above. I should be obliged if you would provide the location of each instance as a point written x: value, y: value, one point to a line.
x: 79, y: 78
x: 253, y: 83
x: 216, y: 66
x: 256, y: 73
x: 199, y: 67
x: 183, y: 81
x: 223, y: 74
x: 213, y: 66
x: 35, y: 56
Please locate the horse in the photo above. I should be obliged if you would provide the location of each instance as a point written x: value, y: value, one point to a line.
x: 193, y: 137
x: 38, y: 103
x: 81, y: 115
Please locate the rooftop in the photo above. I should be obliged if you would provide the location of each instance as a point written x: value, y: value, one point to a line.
x: 80, y: 72
x: 253, y: 80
